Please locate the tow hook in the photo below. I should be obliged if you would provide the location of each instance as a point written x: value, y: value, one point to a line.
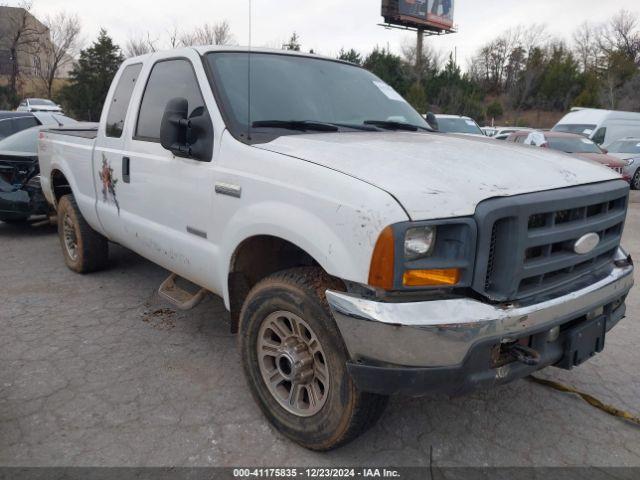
x: 525, y: 355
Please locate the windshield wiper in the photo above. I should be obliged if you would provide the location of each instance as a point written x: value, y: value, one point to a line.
x: 390, y: 125
x: 300, y: 125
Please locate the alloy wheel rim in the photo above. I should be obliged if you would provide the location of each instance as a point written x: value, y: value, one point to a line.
x: 293, y: 364
x: 636, y: 180
x: 70, y: 237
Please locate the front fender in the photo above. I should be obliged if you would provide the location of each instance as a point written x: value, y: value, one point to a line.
x: 308, y: 231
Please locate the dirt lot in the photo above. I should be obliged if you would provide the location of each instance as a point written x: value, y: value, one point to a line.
x: 96, y: 370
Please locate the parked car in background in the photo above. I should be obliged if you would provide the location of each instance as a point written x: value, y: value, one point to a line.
x: 21, y: 196
x: 601, y: 126
x: 354, y: 257
x: 628, y: 150
x: 502, y: 133
x: 38, y: 105
x: 573, y: 144
x: 14, y: 122
x: 459, y: 124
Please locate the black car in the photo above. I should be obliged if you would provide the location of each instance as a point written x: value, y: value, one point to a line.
x: 20, y: 193
x: 14, y: 122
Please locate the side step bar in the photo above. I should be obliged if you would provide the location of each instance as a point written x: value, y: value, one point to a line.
x: 179, y: 297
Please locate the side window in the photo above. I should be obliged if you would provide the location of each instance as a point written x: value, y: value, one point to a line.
x: 120, y: 102
x: 599, y: 136
x: 168, y: 79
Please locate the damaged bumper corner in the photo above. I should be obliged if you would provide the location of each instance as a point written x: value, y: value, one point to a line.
x: 454, y: 346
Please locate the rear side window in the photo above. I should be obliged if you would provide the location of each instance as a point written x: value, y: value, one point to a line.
x: 169, y: 79
x: 120, y: 102
x: 599, y: 136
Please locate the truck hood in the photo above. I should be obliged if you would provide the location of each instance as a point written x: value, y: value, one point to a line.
x: 439, y: 175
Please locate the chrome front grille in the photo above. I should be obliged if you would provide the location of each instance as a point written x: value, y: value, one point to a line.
x: 527, y: 243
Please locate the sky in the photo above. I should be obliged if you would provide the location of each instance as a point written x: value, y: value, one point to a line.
x: 326, y: 26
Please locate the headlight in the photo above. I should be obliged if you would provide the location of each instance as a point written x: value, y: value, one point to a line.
x: 410, y: 255
x: 419, y: 242
x: 631, y: 161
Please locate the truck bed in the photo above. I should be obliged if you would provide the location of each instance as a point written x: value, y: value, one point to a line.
x: 83, y: 130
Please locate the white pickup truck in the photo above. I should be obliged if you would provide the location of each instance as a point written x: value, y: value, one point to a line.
x: 360, y: 253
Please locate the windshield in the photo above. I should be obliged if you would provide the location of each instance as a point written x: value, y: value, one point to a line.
x: 573, y: 145
x: 41, y: 101
x: 288, y: 88
x: 625, y: 146
x: 458, y: 125
x: 25, y: 141
x: 580, y: 129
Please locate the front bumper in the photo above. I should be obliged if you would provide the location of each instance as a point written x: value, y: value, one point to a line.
x: 449, y: 346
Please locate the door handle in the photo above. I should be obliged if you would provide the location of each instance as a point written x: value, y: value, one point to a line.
x: 126, y: 170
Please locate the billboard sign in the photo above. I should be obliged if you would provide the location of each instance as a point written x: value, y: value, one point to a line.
x: 429, y: 14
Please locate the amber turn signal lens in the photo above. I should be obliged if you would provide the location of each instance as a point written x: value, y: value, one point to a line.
x: 382, y: 261
x: 431, y: 278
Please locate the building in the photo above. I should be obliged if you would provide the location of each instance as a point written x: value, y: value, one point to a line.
x: 24, y: 37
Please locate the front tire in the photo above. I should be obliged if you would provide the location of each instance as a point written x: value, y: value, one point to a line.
x: 295, y: 362
x: 84, y: 249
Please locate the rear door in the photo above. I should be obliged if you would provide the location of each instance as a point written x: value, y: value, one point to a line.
x: 167, y: 203
x: 109, y: 156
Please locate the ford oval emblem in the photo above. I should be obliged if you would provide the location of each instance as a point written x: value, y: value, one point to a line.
x: 586, y: 244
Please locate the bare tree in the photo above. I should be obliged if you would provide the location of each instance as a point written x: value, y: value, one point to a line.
x: 58, y: 51
x: 174, y: 37
x: 622, y: 34
x: 140, y: 46
x: 209, y: 34
x: 586, y: 45
x: 24, y: 34
x: 431, y: 58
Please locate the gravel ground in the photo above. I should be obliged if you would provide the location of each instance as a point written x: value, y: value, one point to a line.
x: 97, y: 371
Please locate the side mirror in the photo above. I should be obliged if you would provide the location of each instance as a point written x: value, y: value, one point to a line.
x: 189, y: 137
x: 604, y: 150
x: 173, y: 128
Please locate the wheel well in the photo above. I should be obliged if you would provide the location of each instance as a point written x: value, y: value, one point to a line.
x: 60, y: 185
x: 255, y: 259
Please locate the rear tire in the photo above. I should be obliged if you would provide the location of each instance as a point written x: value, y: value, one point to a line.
x: 320, y: 411
x: 84, y: 249
x: 635, y: 181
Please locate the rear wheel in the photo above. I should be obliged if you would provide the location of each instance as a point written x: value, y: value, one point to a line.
x: 84, y: 249
x: 295, y: 361
x: 635, y: 181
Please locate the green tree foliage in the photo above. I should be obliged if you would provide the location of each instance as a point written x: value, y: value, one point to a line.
x: 8, y: 99
x: 495, y: 109
x: 389, y: 67
x: 91, y: 78
x: 350, y: 55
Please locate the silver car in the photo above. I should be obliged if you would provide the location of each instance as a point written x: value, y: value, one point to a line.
x: 628, y: 149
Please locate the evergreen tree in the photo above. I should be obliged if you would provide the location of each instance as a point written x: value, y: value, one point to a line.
x: 351, y: 56
x: 91, y: 78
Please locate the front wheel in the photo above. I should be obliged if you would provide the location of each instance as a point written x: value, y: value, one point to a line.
x: 84, y: 249
x: 295, y: 361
